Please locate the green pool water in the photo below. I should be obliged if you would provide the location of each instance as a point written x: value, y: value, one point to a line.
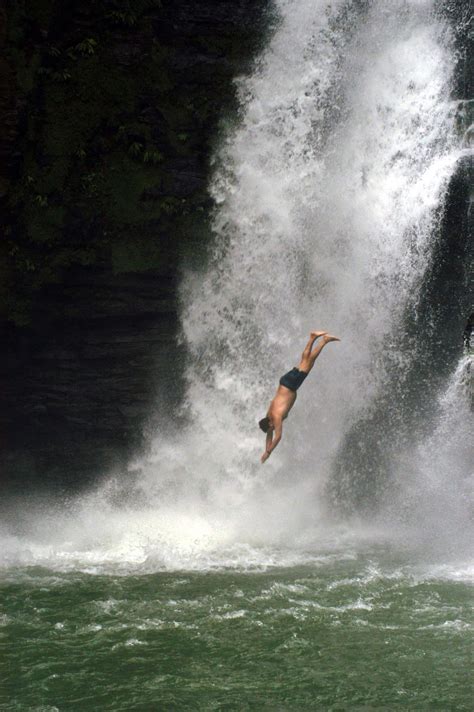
x: 361, y: 632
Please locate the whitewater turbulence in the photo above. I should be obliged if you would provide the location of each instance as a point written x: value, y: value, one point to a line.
x: 328, y: 194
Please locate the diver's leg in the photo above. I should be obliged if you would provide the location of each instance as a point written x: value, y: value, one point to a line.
x: 312, y: 338
x: 307, y: 363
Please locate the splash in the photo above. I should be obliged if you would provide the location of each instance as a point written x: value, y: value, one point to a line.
x: 328, y: 196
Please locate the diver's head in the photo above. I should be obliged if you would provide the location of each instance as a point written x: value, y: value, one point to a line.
x: 264, y: 424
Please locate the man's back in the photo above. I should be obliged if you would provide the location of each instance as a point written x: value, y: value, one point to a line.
x: 281, y: 404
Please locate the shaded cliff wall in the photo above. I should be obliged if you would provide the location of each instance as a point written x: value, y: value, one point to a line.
x: 108, y: 113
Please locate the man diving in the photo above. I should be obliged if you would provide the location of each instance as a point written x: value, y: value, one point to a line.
x: 285, y: 396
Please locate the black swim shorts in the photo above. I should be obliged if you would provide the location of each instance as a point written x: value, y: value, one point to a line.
x: 293, y: 379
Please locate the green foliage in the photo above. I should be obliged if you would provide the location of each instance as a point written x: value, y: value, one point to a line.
x: 152, y: 156
x: 135, y: 149
x: 129, y: 19
x: 101, y: 128
x: 134, y: 253
x: 41, y: 200
x: 128, y: 14
x: 86, y: 47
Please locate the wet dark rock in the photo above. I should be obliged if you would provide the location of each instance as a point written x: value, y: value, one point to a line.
x: 93, y: 378
x: 107, y: 126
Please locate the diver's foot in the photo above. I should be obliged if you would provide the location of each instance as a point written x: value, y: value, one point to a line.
x: 329, y: 337
x: 317, y: 334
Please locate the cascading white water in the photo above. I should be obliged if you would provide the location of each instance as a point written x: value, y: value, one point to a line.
x: 328, y: 196
x: 435, y: 476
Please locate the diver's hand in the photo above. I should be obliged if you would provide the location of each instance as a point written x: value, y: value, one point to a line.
x: 264, y: 457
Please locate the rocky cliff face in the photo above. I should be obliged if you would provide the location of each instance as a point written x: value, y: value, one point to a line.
x: 108, y: 113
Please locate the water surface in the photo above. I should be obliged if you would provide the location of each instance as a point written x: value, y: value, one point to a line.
x: 346, y: 631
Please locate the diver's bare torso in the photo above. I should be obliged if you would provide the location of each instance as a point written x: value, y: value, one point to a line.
x: 281, y: 405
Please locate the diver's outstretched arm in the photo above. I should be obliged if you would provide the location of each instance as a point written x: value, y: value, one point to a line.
x: 274, y: 442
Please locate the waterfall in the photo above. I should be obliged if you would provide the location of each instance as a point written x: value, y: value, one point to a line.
x: 434, y: 477
x: 328, y: 197
x: 328, y: 191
